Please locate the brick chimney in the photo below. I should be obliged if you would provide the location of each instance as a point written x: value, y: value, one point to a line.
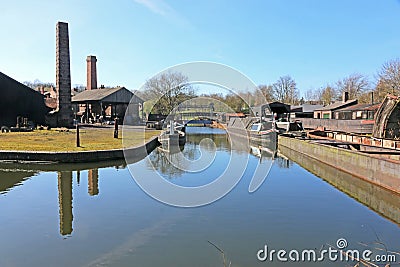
x: 345, y: 97
x: 91, y: 73
x: 63, y: 76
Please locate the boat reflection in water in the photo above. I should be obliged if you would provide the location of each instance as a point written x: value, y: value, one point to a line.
x: 203, y: 149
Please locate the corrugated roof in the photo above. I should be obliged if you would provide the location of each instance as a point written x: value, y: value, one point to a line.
x: 338, y: 104
x: 95, y: 94
x: 361, y: 107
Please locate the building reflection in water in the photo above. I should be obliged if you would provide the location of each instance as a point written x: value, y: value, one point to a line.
x: 93, y: 182
x: 65, y: 196
x: 14, y: 174
x: 65, y: 201
x: 78, y: 177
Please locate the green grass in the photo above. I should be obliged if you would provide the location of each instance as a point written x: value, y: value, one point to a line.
x: 90, y: 139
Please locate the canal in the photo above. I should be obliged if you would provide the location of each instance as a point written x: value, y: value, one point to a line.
x: 96, y: 215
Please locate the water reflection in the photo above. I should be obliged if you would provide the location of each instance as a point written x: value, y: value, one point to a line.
x: 65, y: 201
x: 200, y: 149
x: 377, y: 198
x: 15, y: 174
x: 10, y: 178
x: 110, y: 221
x: 93, y: 182
x: 195, y: 152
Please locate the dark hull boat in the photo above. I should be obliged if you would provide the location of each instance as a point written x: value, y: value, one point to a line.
x: 255, y: 130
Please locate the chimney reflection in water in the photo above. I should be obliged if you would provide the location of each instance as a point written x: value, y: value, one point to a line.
x: 93, y: 182
x: 65, y: 196
x: 65, y: 201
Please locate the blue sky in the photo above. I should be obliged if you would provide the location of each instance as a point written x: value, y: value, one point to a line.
x: 315, y: 41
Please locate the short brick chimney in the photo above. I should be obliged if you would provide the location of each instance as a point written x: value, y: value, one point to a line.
x: 91, y: 73
x: 345, y: 97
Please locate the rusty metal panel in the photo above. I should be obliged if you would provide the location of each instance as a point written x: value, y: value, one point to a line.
x: 350, y: 126
x: 387, y: 119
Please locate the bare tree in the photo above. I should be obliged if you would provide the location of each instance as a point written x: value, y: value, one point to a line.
x: 169, y: 89
x: 236, y: 102
x: 37, y: 83
x: 267, y: 91
x: 285, y: 90
x: 389, y: 79
x: 327, y: 95
x: 355, y: 84
x: 367, y: 98
x: 311, y: 95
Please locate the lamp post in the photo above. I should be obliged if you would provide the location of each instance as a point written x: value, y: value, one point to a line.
x: 78, y: 141
x: 116, y: 127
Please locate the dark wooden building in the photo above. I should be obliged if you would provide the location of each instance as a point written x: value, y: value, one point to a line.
x: 20, y: 100
x: 303, y: 111
x: 108, y: 103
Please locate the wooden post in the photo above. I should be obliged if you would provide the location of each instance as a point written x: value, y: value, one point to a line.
x: 78, y: 141
x: 116, y: 128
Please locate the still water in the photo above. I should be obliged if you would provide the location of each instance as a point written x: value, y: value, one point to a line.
x: 96, y: 215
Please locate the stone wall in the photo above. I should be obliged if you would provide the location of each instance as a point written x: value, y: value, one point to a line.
x: 133, y: 154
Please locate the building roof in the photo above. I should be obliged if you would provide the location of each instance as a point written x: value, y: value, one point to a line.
x: 360, y: 107
x: 279, y: 107
x: 95, y: 94
x: 305, y: 108
x: 112, y: 95
x: 338, y: 104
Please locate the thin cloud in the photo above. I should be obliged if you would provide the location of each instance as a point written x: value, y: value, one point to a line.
x: 160, y: 7
x: 156, y: 6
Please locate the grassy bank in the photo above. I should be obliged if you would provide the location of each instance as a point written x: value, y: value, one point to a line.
x: 90, y: 139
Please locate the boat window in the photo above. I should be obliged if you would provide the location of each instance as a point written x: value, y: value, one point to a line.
x: 255, y: 127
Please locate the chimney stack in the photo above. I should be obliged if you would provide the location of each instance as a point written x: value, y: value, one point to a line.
x: 91, y: 73
x: 63, y: 76
x: 345, y: 97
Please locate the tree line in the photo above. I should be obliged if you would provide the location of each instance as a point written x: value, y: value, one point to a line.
x: 359, y: 86
x: 172, y: 89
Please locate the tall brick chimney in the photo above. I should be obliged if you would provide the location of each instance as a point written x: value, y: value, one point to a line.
x: 91, y: 73
x: 63, y: 76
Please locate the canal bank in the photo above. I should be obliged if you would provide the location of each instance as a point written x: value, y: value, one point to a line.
x: 374, y: 169
x: 134, y: 153
x: 384, y: 202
